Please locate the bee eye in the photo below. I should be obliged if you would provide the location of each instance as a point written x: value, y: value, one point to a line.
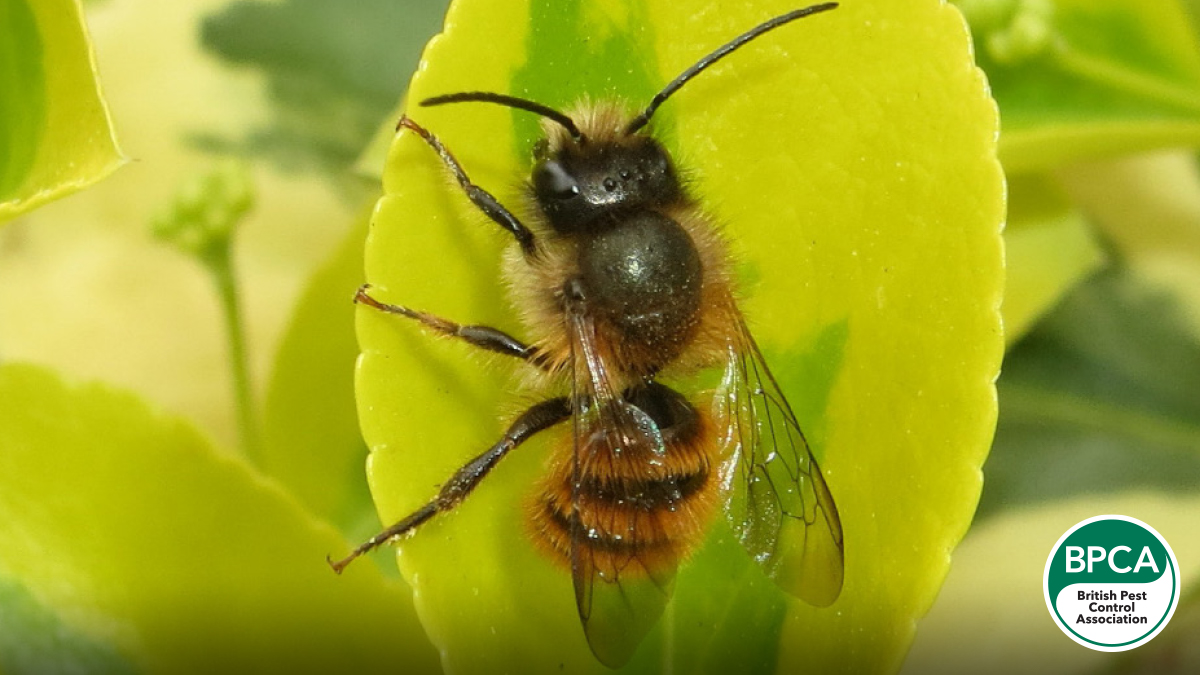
x: 552, y: 180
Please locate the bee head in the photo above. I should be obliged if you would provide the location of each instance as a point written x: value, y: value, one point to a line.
x: 579, y: 181
x: 587, y: 182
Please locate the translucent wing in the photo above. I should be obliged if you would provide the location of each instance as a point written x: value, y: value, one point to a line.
x: 777, y: 499
x: 622, y: 567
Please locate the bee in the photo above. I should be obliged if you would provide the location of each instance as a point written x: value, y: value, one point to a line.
x: 626, y: 284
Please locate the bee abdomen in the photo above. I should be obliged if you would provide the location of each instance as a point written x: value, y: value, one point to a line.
x: 628, y: 505
x: 657, y: 521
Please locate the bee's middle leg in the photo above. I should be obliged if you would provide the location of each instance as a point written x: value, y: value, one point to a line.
x: 484, y: 337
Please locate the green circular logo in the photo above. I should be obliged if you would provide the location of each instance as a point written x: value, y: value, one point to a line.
x: 1111, y: 583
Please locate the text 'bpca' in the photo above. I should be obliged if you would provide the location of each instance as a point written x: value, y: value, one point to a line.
x: 1076, y: 562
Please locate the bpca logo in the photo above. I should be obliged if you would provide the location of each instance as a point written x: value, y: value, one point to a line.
x: 1111, y: 583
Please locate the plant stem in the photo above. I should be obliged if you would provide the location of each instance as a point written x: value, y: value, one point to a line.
x: 1146, y: 427
x: 1117, y: 76
x: 222, y: 270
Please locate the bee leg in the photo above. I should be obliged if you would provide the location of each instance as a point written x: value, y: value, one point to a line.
x: 478, y: 196
x: 537, y: 418
x: 484, y: 337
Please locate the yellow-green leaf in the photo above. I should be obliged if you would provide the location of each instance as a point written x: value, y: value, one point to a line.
x: 1143, y: 205
x: 851, y: 158
x: 141, y: 540
x: 55, y: 134
x: 1049, y: 248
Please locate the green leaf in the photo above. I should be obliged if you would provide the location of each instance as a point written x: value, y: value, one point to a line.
x: 55, y: 134
x: 1146, y: 208
x: 311, y: 441
x: 1080, y: 79
x: 134, y: 534
x: 865, y: 204
x: 1048, y: 248
x: 35, y: 639
x: 1100, y: 397
x: 333, y: 69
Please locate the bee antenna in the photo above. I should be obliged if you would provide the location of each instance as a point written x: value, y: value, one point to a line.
x: 512, y: 102
x: 720, y: 53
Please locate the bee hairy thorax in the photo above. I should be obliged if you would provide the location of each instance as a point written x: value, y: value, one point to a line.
x: 637, y: 272
x: 632, y: 503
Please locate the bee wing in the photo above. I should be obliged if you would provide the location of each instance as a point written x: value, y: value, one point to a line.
x: 777, y: 499
x: 618, y: 608
x: 621, y: 587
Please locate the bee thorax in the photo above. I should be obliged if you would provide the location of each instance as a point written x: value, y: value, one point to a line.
x: 642, y: 278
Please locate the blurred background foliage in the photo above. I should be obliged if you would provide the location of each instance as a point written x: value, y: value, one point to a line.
x: 1099, y: 404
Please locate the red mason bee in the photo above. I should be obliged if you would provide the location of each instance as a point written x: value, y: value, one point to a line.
x: 625, y: 284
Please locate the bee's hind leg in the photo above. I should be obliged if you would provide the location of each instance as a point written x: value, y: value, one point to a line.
x: 484, y: 337
x: 537, y: 418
